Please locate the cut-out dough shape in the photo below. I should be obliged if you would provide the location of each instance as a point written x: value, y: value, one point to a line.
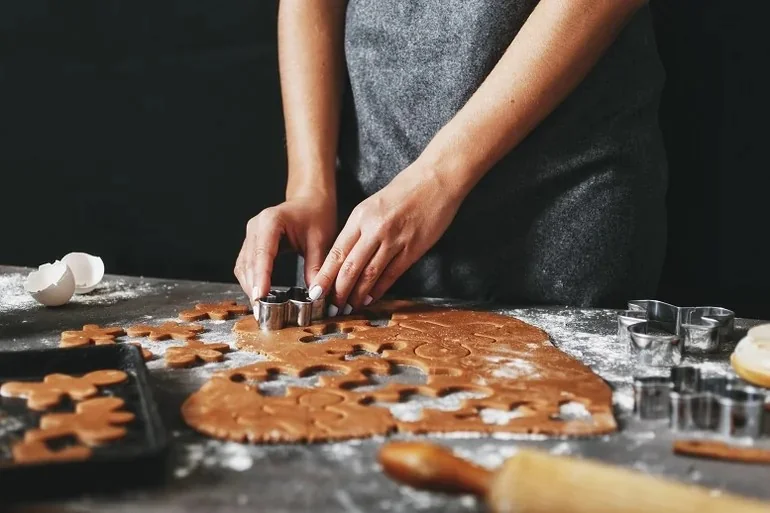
x: 217, y: 311
x: 93, y: 334
x: 90, y: 334
x: 49, y: 392
x: 174, y: 330
x: 717, y: 450
x: 37, y: 451
x: 195, y: 351
x: 93, y: 422
x: 508, y: 365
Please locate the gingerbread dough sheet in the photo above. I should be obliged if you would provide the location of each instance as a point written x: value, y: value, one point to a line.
x: 506, y: 366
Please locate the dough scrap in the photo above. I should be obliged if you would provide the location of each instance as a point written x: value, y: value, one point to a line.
x: 721, y: 451
x: 458, y: 350
x: 174, y: 330
x: 218, y: 311
x: 90, y: 334
x: 49, y: 392
x: 37, y: 451
x: 195, y: 351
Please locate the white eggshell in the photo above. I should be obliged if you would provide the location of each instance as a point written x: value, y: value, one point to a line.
x: 87, y: 269
x: 52, y: 284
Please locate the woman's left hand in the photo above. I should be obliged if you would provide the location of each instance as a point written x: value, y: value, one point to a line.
x: 384, y: 235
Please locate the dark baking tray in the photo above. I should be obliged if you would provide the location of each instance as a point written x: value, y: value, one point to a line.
x: 138, y: 459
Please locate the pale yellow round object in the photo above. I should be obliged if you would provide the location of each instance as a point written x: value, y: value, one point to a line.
x: 751, y: 357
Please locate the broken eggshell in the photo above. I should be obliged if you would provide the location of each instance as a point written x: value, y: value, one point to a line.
x: 87, y: 269
x: 52, y: 284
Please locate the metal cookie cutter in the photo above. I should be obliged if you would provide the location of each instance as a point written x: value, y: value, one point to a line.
x: 741, y: 413
x: 724, y: 406
x: 654, y: 346
x: 651, y: 397
x: 292, y: 307
x: 649, y: 328
x: 302, y: 309
x: 273, y: 311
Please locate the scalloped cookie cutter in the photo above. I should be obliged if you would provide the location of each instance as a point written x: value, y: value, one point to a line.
x: 725, y: 406
x: 291, y: 307
x: 658, y: 333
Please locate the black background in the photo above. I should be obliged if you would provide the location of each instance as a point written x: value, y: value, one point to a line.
x: 149, y: 132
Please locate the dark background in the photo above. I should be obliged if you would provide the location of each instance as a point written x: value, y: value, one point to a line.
x: 149, y: 132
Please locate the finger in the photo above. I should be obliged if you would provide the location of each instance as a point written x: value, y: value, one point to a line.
x: 351, y: 269
x: 263, y: 252
x: 326, y: 276
x: 314, y: 253
x: 240, y: 274
x: 394, y: 270
x: 361, y: 295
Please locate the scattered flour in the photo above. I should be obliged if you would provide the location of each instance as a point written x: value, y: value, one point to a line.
x: 512, y: 368
x: 489, y: 456
x: 411, y: 410
x: 13, y: 297
x: 499, y: 417
x: 9, y: 425
x: 623, y: 399
x: 216, y: 454
x: 574, y: 332
x: 562, y: 449
x: 573, y: 411
x: 12, y: 293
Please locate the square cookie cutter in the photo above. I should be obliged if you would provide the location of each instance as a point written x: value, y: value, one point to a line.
x: 727, y: 407
x: 292, y: 307
x: 658, y: 333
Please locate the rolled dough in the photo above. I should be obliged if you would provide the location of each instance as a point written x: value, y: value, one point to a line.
x: 510, y: 365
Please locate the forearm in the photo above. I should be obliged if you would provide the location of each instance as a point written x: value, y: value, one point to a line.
x: 311, y: 64
x: 554, y: 50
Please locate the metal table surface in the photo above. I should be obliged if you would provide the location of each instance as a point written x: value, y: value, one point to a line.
x: 210, y: 475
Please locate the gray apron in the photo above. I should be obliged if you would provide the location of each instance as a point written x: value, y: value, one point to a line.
x: 574, y: 215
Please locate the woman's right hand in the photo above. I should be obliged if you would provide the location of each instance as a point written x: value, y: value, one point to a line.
x: 308, y: 223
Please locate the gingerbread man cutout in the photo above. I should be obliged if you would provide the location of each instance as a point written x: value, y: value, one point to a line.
x: 36, y: 451
x: 93, y: 334
x: 92, y: 423
x: 48, y: 393
x: 217, y: 311
x: 90, y: 334
x: 167, y: 330
x: 195, y: 351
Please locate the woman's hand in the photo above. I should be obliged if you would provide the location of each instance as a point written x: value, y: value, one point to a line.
x: 308, y: 222
x: 384, y: 235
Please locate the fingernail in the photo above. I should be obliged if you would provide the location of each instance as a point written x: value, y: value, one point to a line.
x: 255, y: 294
x: 368, y: 300
x: 315, y: 292
x: 347, y: 310
x: 333, y: 310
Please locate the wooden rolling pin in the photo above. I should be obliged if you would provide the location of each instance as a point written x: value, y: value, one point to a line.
x: 537, y: 482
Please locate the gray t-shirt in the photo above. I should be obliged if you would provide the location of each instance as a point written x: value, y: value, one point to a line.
x: 573, y: 215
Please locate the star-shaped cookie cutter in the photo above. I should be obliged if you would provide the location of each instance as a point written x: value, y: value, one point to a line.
x: 658, y: 334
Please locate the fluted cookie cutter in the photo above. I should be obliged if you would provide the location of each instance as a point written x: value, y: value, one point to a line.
x: 652, y: 397
x: 725, y: 406
x: 292, y: 307
x: 659, y: 333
